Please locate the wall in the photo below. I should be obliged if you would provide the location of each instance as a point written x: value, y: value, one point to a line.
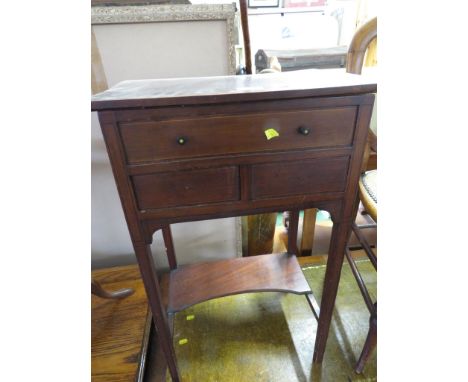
x: 154, y: 50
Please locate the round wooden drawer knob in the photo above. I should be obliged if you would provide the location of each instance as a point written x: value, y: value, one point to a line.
x: 303, y: 130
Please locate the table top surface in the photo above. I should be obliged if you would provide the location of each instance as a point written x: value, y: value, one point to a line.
x: 118, y: 327
x: 205, y: 90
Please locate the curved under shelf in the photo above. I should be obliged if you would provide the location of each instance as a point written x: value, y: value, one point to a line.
x: 192, y: 284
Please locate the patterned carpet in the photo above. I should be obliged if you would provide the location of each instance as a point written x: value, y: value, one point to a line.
x: 269, y: 337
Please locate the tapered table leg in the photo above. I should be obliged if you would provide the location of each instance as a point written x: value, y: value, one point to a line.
x: 150, y: 280
x: 338, y: 242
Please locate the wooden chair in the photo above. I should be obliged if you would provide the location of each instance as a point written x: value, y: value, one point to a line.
x: 99, y: 291
x: 367, y: 191
x: 367, y: 195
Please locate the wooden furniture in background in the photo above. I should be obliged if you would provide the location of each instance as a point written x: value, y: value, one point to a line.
x: 368, y: 196
x: 362, y: 39
x: 99, y: 291
x: 246, y: 35
x: 120, y: 328
x: 308, y: 231
x: 325, y: 58
x: 358, y: 47
x: 258, y: 233
x: 199, y: 148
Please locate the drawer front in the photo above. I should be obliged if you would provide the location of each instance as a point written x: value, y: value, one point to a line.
x: 185, y: 188
x: 310, y: 176
x: 187, y: 138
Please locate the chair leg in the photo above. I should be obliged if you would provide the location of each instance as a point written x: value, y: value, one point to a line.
x: 369, y: 345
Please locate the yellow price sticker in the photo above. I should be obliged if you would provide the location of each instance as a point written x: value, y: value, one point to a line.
x: 190, y: 317
x: 271, y: 133
x: 183, y: 341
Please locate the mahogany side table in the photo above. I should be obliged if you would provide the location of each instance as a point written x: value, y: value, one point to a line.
x: 204, y: 148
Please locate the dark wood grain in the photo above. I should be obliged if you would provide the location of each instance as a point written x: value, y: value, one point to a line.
x: 215, y: 90
x: 226, y: 167
x: 153, y: 291
x: 191, y: 284
x: 340, y: 235
x: 324, y: 175
x: 158, y: 218
x: 184, y: 188
x: 155, y: 141
x: 233, y: 160
x: 217, y: 109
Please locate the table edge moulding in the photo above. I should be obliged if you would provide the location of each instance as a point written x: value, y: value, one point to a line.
x: 205, y: 148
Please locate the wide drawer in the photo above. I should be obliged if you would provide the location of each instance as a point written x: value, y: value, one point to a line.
x: 185, y: 188
x: 288, y: 178
x: 234, y: 134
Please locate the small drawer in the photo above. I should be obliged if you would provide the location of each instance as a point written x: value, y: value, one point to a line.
x: 235, y: 134
x: 289, y: 178
x: 185, y: 188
